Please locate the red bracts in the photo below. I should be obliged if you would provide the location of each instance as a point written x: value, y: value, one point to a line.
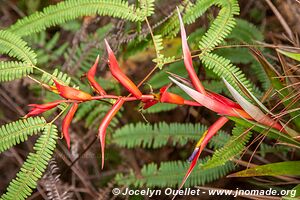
x: 67, y: 121
x: 37, y: 109
x: 119, y: 75
x: 72, y: 93
x: 201, y: 144
x: 188, y: 59
x: 91, y: 78
x: 105, y: 122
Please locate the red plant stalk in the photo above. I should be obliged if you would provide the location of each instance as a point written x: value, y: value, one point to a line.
x: 119, y: 75
x: 72, y: 93
x: 105, y: 122
x: 91, y: 78
x: 67, y: 121
x: 201, y: 144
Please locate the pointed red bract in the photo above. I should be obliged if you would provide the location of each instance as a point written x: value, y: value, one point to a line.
x: 149, y: 103
x: 214, y: 103
x: 72, y: 93
x: 188, y: 59
x: 211, y: 131
x: 37, y: 109
x: 105, y: 122
x: 168, y: 97
x: 224, y: 100
x: 67, y: 121
x: 91, y: 78
x: 119, y: 75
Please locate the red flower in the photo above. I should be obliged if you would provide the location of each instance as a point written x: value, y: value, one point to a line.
x: 119, y: 75
x: 72, y: 93
x: 67, y: 121
x: 105, y: 122
x: 37, y: 109
x: 91, y: 77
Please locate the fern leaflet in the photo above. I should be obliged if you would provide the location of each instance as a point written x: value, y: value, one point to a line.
x: 18, y: 131
x: 14, y: 46
x: 72, y: 9
x: 197, y: 10
x: 245, y: 32
x: 223, y: 68
x: 35, y: 164
x: 170, y: 174
x: 57, y: 75
x: 13, y: 70
x: 221, y: 26
x: 235, y: 145
x: 160, y: 59
x: 147, y: 6
x: 157, y: 135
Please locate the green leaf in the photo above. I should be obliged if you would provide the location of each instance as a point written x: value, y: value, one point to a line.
x: 295, y: 56
x: 295, y: 192
x: 273, y: 169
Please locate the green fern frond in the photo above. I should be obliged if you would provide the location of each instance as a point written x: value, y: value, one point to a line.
x: 34, y: 166
x: 16, y: 132
x: 85, y: 109
x: 244, y: 56
x: 219, y: 140
x: 57, y: 75
x: 13, y: 70
x: 261, y: 75
x: 171, y: 27
x: 160, y: 59
x: 158, y: 44
x: 72, y: 9
x: 275, y: 149
x: 157, y: 135
x: 198, y: 9
x: 221, y: 26
x: 93, y: 112
x: 245, y: 32
x: 14, y: 46
x: 147, y: 6
x: 42, y: 46
x: 223, y: 68
x: 160, y: 78
x: 192, y: 12
x: 160, y: 107
x: 85, y: 54
x: 170, y: 174
x: 235, y: 145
